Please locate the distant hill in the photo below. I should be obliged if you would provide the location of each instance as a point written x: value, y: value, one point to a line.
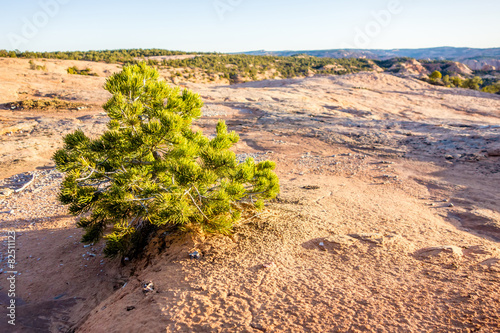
x: 435, y: 53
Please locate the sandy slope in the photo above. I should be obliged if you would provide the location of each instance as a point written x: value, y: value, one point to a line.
x: 369, y: 164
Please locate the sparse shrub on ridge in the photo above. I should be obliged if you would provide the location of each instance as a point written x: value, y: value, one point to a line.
x: 473, y: 83
x: 34, y: 66
x: 493, y: 88
x: 151, y: 170
x: 75, y: 70
x: 45, y: 104
x: 456, y: 81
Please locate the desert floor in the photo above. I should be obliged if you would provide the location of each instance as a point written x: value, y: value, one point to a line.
x: 388, y: 219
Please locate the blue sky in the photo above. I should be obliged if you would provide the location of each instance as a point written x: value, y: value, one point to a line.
x: 244, y: 25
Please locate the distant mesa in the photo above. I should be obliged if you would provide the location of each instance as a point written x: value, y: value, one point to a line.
x: 476, y: 59
x: 436, y: 53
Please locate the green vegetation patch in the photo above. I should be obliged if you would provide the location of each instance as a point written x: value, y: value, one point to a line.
x: 233, y: 67
x: 37, y: 67
x: 85, y: 71
x: 109, y: 56
x: 474, y: 83
x: 45, y: 104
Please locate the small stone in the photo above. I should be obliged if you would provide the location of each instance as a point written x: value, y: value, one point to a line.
x: 449, y: 157
x: 437, y: 250
x: 269, y: 264
x: 340, y: 240
x: 310, y: 187
x: 194, y: 255
x: 494, y: 151
x: 5, y: 192
x: 374, y: 238
x: 130, y: 308
x: 451, y: 205
x: 148, y: 286
x: 491, y: 263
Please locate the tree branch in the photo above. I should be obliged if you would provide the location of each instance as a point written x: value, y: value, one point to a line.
x: 92, y: 170
x: 199, y: 209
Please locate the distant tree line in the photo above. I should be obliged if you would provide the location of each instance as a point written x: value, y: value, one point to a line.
x: 109, y: 56
x: 241, y: 65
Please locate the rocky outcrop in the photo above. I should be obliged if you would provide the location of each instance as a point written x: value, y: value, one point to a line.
x: 494, y: 150
x: 482, y: 64
x: 411, y: 67
x: 452, y: 68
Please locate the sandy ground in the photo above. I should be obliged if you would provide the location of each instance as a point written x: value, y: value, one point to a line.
x: 388, y: 219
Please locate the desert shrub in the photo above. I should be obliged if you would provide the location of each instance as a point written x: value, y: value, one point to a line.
x: 85, y: 71
x: 72, y: 70
x: 435, y: 79
x: 151, y: 170
x: 436, y: 75
x: 493, y: 88
x: 446, y: 81
x: 456, y: 81
x: 490, y: 89
x: 34, y: 66
x: 45, y: 104
x: 473, y: 83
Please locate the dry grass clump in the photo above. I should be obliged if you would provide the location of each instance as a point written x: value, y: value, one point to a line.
x: 45, y: 104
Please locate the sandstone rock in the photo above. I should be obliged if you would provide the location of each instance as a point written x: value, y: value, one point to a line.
x: 483, y: 64
x: 148, y: 287
x: 194, y: 255
x: 5, y: 192
x: 479, y: 250
x: 494, y: 151
x: 374, y: 238
x: 491, y: 264
x: 340, y: 240
x: 410, y: 67
x: 437, y: 251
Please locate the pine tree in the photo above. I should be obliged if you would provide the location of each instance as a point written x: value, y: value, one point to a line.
x: 150, y: 169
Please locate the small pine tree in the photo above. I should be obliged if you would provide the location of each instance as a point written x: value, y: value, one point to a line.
x: 150, y: 169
